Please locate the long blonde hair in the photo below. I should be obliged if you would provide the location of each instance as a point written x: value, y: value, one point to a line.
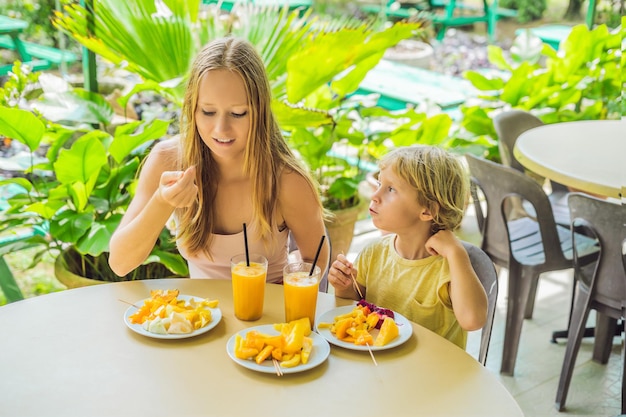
x: 266, y: 153
x: 439, y: 178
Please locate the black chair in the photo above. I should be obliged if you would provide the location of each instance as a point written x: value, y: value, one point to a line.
x: 527, y: 245
x: 295, y: 254
x: 601, y: 284
x: 509, y: 125
x: 486, y: 272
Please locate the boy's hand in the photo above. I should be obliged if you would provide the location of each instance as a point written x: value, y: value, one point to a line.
x: 178, y: 188
x: 339, y: 274
x: 443, y: 243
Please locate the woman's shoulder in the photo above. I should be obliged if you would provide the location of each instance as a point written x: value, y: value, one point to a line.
x: 291, y: 181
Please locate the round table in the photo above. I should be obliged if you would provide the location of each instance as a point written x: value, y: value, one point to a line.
x: 585, y: 155
x: 70, y: 353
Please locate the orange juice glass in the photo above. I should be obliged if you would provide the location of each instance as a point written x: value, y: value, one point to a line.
x: 300, y: 290
x: 248, y: 285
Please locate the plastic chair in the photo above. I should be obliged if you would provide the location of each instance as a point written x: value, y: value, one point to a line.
x: 527, y: 246
x: 509, y: 126
x: 294, y: 253
x: 486, y: 271
x: 601, y: 284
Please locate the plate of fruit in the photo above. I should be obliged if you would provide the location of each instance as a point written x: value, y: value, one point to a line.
x: 292, y: 347
x: 170, y: 315
x: 364, y: 327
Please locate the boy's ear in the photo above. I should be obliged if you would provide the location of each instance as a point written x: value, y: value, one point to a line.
x: 425, y: 215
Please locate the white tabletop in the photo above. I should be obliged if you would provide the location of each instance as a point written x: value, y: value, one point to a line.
x: 586, y: 155
x: 70, y: 354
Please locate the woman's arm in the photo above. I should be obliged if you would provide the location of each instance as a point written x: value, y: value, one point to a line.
x: 299, y: 207
x: 158, y: 193
x: 468, y: 296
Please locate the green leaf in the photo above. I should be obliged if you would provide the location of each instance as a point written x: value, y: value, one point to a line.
x: 44, y: 209
x: 436, y: 128
x: 290, y: 118
x: 172, y: 261
x: 19, y: 181
x: 96, y: 240
x: 22, y: 126
x: 70, y: 226
x: 321, y: 60
x: 127, y: 138
x: 83, y: 160
x: 483, y: 83
x: 496, y: 57
x: 343, y: 188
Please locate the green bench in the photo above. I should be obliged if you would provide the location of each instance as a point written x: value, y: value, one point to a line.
x: 454, y: 13
x: 38, y: 57
x: 400, y: 85
x: 227, y: 5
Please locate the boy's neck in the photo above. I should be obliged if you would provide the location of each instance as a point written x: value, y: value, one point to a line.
x: 412, y: 246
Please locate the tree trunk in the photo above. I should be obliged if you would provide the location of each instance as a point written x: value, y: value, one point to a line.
x: 573, y: 10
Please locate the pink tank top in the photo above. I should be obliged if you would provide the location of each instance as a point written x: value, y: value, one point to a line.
x: 224, y: 247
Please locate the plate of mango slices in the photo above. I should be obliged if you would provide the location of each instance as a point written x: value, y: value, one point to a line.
x: 359, y: 327
x: 292, y: 345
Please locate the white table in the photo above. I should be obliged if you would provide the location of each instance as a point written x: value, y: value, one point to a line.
x: 586, y: 155
x: 70, y: 354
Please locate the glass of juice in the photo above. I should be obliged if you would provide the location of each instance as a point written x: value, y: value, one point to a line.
x: 248, y: 285
x: 300, y: 290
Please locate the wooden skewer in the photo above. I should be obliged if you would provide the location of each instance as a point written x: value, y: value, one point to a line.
x: 279, y: 372
x: 356, y: 286
x: 126, y: 302
x: 371, y: 354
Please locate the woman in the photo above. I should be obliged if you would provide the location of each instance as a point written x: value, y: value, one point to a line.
x: 229, y: 166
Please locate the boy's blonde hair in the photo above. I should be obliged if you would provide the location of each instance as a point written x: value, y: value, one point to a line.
x: 440, y: 180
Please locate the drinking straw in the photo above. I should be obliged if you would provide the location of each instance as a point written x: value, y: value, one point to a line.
x: 317, y: 255
x: 245, y: 241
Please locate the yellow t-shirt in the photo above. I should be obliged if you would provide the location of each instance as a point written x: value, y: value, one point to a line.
x: 417, y: 289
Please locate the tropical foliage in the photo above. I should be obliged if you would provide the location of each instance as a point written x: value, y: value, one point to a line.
x: 76, y: 183
x: 314, y: 65
x: 583, y: 80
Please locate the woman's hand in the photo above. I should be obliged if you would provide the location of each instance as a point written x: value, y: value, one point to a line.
x: 178, y: 188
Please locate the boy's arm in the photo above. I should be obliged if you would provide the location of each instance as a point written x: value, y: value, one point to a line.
x: 468, y: 296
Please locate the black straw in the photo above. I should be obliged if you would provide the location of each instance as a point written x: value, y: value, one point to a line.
x: 317, y: 255
x: 245, y: 241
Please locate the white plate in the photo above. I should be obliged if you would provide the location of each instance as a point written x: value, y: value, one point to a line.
x: 216, y: 316
x: 404, y: 327
x: 319, y: 352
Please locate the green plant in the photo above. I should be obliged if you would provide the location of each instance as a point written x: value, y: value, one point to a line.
x: 314, y: 65
x: 527, y: 10
x: 581, y: 81
x: 341, y: 154
x: 78, y: 181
